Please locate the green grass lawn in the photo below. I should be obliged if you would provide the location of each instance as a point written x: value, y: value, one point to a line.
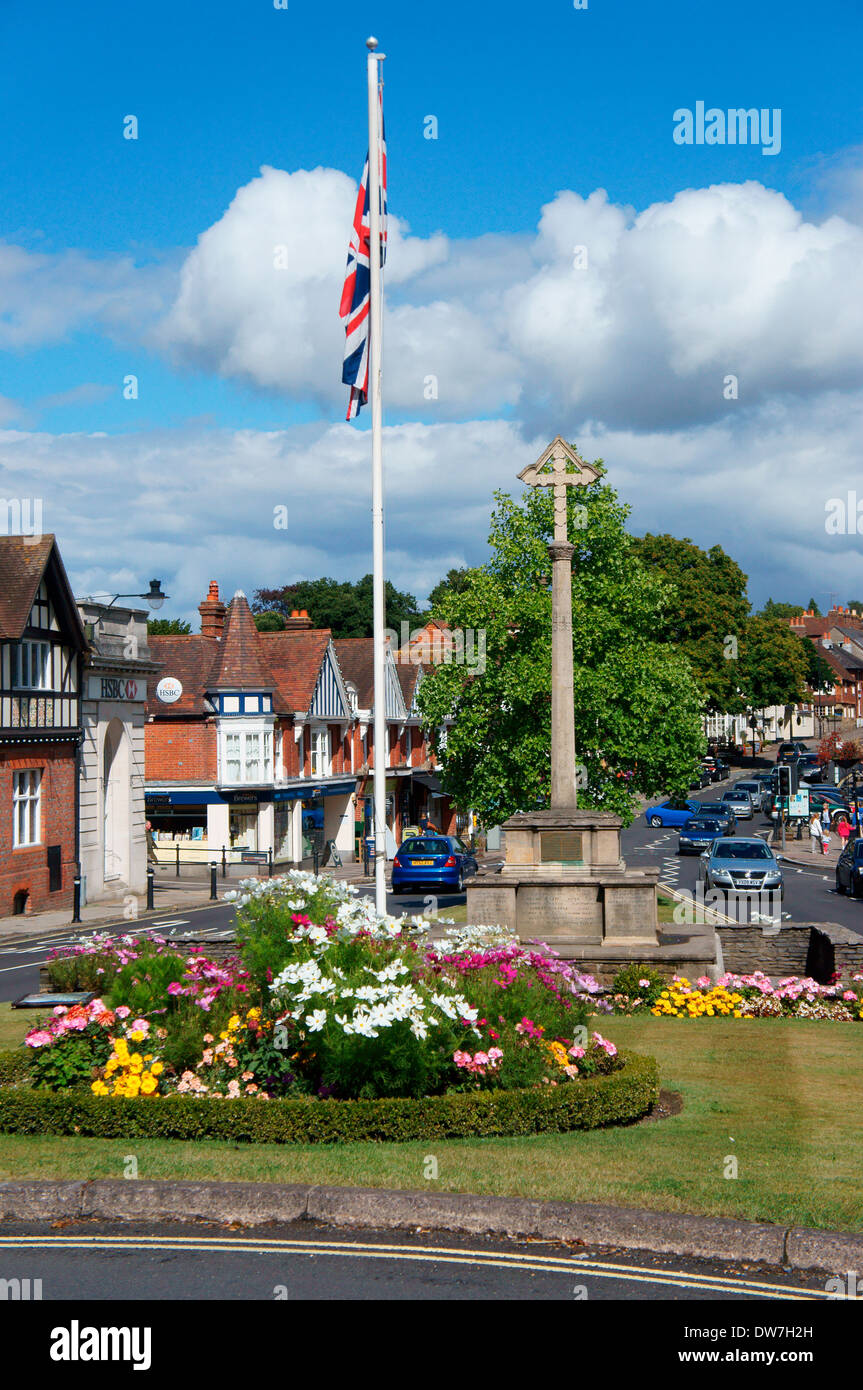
x: 782, y: 1097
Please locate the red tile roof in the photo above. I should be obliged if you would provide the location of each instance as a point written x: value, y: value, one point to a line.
x: 356, y: 658
x: 24, y: 561
x: 189, y: 659
x: 241, y: 663
x: 295, y: 660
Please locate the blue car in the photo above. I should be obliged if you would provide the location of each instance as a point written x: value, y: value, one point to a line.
x: 671, y: 812
x: 434, y: 861
x: 699, y: 833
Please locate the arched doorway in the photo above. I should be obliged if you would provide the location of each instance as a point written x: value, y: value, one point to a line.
x: 116, y: 803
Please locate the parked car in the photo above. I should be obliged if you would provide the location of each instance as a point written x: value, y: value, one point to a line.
x: 671, y: 812
x: 755, y: 790
x: 718, y: 769
x: 849, y: 869
x: 740, y: 866
x: 739, y: 802
x: 819, y: 797
x: 792, y: 749
x: 700, y: 832
x: 438, y: 861
x: 809, y: 770
x: 718, y: 811
x: 701, y: 779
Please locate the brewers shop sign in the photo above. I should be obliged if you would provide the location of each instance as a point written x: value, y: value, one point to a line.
x: 116, y: 688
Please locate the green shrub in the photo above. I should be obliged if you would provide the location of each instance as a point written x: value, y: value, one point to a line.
x: 142, y: 984
x: 627, y: 981
x: 72, y: 1060
x: 621, y: 1097
x: 15, y: 1066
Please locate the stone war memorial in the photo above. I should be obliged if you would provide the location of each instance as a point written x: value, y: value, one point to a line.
x: 564, y: 880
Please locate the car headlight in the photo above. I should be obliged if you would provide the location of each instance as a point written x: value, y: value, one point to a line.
x: 723, y: 874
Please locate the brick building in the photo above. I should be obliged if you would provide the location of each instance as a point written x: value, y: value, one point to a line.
x: 42, y: 651
x: 261, y: 743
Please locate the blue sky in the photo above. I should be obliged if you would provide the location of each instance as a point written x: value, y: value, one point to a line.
x: 534, y: 104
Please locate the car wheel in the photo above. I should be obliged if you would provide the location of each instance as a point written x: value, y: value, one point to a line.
x: 460, y: 883
x: 396, y: 890
x: 839, y: 889
x: 655, y: 822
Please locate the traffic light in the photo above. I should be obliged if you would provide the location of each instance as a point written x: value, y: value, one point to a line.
x: 788, y: 782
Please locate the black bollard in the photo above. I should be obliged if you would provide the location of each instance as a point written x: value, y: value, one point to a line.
x: 151, y: 884
x: 76, y: 898
x: 214, y: 869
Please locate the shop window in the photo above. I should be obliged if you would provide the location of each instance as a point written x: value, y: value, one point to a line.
x: 26, y: 808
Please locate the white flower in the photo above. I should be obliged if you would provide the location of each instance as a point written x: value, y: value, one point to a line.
x: 316, y: 1020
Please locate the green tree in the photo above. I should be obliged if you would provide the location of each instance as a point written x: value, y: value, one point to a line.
x: 708, y: 614
x: 772, y: 665
x: 856, y: 605
x: 819, y: 675
x: 168, y: 627
x: 269, y: 621
x: 637, y: 718
x: 812, y: 607
x: 455, y: 582
x: 345, y: 607
x: 780, y: 610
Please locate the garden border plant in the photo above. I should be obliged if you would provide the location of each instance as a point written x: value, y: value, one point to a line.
x: 619, y: 1097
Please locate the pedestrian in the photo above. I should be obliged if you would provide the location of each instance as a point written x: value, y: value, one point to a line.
x: 815, y: 833
x: 843, y: 830
x: 825, y: 816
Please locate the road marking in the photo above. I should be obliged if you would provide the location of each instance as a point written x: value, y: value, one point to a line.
x: 28, y: 965
x: 551, y: 1264
x: 174, y: 922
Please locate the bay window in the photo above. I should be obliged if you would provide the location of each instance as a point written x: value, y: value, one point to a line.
x: 247, y: 755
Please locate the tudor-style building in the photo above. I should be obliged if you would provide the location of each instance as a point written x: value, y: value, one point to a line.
x: 262, y: 742
x: 42, y: 650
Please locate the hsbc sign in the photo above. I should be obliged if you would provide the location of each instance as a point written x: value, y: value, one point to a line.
x: 116, y: 688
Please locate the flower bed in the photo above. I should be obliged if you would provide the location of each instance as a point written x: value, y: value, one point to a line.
x: 737, y: 996
x: 329, y: 1000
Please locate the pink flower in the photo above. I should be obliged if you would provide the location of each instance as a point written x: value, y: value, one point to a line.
x: 644, y: 984
x: 122, y: 1011
x: 139, y: 1025
x: 494, y: 1055
x: 461, y: 1059
x: 571, y: 1072
x: 576, y: 1052
x: 175, y: 988
x: 38, y: 1038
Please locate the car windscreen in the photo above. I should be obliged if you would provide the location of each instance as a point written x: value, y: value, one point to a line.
x: 732, y: 849
x: 711, y: 808
x: 703, y: 825
x: 425, y: 847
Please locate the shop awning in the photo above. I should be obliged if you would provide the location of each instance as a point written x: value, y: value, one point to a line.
x: 428, y: 779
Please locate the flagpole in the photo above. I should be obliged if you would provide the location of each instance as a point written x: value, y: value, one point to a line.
x: 376, y: 393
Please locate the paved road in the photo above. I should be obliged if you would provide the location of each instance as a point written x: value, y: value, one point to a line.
x: 105, y: 1261
x: 809, y: 893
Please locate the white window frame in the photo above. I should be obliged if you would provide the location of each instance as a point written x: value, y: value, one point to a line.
x: 30, y: 657
x: 321, y: 751
x: 27, y: 808
x: 261, y: 770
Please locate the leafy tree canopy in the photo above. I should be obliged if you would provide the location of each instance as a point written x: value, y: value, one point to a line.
x: 773, y: 663
x: 772, y: 609
x: 812, y: 607
x: 456, y: 581
x: 269, y: 621
x: 345, y: 607
x: 168, y: 627
x: 707, y: 614
x: 637, y: 720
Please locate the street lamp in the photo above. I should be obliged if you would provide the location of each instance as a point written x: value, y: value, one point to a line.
x: 154, y: 596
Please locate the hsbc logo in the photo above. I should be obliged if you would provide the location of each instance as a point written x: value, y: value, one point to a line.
x: 117, y: 688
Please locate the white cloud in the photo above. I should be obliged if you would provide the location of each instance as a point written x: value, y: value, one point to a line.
x: 724, y: 280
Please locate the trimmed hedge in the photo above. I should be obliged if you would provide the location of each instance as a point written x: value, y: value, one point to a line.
x: 14, y: 1066
x: 620, y: 1097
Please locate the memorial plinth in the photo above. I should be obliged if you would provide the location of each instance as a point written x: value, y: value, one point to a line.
x: 564, y: 880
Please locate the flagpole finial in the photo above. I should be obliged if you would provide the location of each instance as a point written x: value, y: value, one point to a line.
x: 371, y: 44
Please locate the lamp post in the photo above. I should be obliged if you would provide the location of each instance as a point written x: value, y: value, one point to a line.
x: 154, y: 596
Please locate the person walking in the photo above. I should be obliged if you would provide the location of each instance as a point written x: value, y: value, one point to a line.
x: 815, y: 833
x: 843, y: 830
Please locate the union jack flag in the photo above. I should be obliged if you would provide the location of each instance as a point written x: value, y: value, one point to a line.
x: 354, y: 309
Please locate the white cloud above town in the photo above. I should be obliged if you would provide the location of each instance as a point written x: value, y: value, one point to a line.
x: 627, y: 356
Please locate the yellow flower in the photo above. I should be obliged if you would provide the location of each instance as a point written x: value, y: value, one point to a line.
x: 99, y: 1088
x: 149, y: 1085
x: 157, y: 1068
x: 137, y: 1036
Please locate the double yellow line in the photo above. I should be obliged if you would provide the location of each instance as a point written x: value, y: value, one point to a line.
x: 573, y: 1266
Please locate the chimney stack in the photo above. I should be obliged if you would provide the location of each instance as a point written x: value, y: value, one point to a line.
x: 212, y: 612
x: 298, y: 621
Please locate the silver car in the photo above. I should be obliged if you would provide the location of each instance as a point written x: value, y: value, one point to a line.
x: 740, y: 866
x: 739, y: 802
x: 755, y: 790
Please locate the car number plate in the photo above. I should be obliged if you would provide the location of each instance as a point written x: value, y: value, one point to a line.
x: 417, y: 863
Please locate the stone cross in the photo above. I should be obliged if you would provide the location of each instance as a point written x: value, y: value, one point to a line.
x: 560, y: 468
